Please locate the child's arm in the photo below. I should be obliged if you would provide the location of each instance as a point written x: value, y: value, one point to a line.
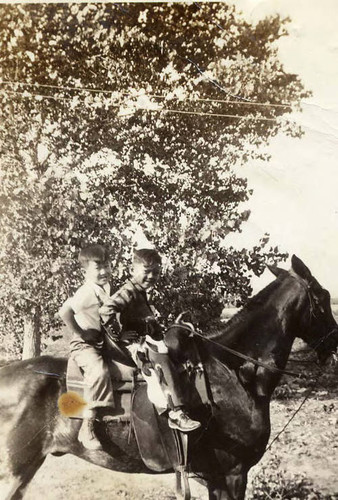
x: 67, y: 315
x: 113, y: 306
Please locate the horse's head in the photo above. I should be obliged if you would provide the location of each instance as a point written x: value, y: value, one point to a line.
x: 317, y: 327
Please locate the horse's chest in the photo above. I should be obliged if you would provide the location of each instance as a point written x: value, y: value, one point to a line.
x: 237, y: 414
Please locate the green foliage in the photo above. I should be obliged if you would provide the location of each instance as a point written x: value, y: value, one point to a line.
x: 284, y: 391
x: 272, y: 482
x: 96, y: 166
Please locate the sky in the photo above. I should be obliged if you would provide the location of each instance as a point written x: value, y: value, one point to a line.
x: 295, y: 195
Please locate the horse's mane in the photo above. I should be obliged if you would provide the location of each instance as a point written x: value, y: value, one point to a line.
x: 241, y: 317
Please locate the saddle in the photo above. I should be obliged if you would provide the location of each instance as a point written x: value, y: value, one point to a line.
x: 160, y: 447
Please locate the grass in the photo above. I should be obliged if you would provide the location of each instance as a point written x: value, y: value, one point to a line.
x: 274, y: 482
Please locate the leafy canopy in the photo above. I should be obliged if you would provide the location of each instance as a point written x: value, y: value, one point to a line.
x: 134, y: 150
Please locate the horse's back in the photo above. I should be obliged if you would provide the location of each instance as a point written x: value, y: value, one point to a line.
x: 47, y: 365
x: 30, y: 381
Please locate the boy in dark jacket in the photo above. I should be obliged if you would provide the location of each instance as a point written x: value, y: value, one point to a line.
x: 130, y: 306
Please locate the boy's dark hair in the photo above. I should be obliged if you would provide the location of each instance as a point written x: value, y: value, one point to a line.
x: 95, y: 252
x: 147, y: 256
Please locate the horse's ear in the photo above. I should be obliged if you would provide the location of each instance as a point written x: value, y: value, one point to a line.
x: 300, y: 268
x: 277, y: 271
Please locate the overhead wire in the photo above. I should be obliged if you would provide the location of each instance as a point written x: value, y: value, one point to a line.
x: 238, y: 99
x: 138, y: 108
x: 155, y: 96
x: 30, y: 95
x: 220, y: 115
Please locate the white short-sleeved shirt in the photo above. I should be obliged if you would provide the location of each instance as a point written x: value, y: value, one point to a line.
x: 85, y: 304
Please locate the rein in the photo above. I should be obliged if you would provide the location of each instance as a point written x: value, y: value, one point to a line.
x: 192, y: 330
x: 313, y: 313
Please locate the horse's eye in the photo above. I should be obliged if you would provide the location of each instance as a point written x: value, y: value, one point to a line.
x: 320, y: 301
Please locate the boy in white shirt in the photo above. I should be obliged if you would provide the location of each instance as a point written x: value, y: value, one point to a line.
x: 81, y: 315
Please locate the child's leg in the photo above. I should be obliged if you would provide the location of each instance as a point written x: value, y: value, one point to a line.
x: 156, y: 394
x: 164, y: 394
x: 99, y: 390
x: 170, y: 383
x: 171, y: 386
x: 168, y: 389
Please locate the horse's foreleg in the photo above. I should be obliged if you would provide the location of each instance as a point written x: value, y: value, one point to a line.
x: 231, y: 487
x: 22, y: 478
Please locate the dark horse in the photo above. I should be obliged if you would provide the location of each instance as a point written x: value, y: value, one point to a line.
x: 237, y: 430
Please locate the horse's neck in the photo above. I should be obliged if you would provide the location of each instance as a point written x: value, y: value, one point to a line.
x: 263, y: 332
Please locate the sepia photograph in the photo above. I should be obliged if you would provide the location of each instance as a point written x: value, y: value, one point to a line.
x: 168, y: 250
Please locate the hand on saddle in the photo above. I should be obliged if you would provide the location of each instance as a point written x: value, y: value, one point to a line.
x: 129, y: 336
x: 153, y: 328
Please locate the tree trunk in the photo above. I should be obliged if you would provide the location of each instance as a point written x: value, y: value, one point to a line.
x: 31, y: 336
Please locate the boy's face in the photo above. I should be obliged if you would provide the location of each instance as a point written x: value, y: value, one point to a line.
x: 146, y: 276
x: 97, y: 272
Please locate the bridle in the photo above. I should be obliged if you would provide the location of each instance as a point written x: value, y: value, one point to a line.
x: 315, y: 310
x: 313, y: 314
x: 309, y: 292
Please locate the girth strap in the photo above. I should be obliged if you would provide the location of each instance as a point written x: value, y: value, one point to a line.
x: 182, y: 480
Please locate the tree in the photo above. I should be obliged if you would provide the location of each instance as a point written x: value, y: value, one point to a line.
x: 112, y: 121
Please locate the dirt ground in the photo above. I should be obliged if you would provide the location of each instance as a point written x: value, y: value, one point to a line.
x: 308, y: 446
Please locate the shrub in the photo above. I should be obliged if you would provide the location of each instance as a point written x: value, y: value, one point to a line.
x: 272, y: 482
